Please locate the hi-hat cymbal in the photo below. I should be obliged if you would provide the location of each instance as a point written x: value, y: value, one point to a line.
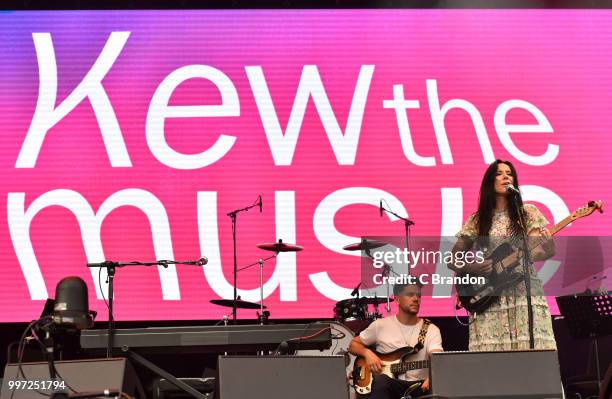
x: 279, y: 246
x: 239, y: 303
x: 364, y: 245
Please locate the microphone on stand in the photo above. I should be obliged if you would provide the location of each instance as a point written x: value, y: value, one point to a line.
x: 380, y: 208
x: 510, y: 189
x: 200, y: 262
x: 260, y: 204
x: 106, y: 263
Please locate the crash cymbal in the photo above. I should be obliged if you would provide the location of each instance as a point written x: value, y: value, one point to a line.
x: 229, y: 303
x: 364, y: 245
x: 279, y: 246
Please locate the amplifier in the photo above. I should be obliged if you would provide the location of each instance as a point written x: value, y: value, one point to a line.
x: 83, y: 376
x: 496, y: 375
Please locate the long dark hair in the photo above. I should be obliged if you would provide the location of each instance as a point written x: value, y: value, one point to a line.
x: 486, y: 202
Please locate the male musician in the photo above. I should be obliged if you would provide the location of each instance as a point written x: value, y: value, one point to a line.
x: 395, y: 332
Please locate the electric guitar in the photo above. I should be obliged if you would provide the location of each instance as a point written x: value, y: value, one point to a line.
x: 476, y: 298
x: 393, y: 365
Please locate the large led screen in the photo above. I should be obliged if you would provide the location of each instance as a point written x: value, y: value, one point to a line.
x: 130, y: 136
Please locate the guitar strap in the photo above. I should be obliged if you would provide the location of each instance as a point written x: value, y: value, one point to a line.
x: 421, y: 341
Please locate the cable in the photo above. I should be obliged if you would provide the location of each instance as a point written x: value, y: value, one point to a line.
x: 316, y: 334
x: 101, y: 290
x: 64, y: 380
x: 20, y: 353
x: 459, y: 321
x: 337, y: 338
x: 303, y: 332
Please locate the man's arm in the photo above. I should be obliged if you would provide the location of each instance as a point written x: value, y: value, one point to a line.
x: 359, y: 349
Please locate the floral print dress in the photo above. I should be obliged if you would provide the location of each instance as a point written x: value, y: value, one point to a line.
x: 504, y: 325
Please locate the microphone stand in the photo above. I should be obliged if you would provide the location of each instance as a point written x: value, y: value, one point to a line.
x: 110, y: 271
x: 407, y: 224
x: 527, y: 262
x: 233, y: 214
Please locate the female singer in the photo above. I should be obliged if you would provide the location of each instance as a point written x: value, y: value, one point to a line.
x: 504, y: 325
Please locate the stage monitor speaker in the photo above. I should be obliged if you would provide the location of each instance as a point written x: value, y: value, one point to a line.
x: 295, y: 377
x: 94, y: 375
x: 496, y: 375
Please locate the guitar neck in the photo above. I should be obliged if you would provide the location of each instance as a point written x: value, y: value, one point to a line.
x: 562, y: 224
x: 554, y: 230
x: 401, y: 368
x: 512, y: 260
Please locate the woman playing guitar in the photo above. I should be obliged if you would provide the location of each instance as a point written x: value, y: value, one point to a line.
x: 504, y: 324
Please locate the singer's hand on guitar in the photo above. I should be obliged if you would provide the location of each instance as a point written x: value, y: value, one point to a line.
x: 546, y: 249
x: 544, y: 232
x: 484, y: 269
x: 373, y: 362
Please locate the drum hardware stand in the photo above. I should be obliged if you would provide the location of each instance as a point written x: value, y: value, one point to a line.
x: 386, y: 272
x: 233, y: 214
x: 407, y: 224
x: 110, y: 272
x: 264, y: 315
x: 376, y: 314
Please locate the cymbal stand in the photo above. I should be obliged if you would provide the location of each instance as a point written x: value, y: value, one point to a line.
x: 263, y: 316
x: 386, y: 271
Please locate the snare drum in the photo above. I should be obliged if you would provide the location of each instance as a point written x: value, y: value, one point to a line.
x: 350, y: 310
x: 342, y: 337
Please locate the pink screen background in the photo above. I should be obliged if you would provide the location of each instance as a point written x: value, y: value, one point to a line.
x: 559, y: 61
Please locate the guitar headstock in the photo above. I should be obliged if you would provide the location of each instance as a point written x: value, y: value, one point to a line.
x: 591, y: 207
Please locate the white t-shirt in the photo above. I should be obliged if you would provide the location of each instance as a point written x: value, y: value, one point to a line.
x: 389, y: 335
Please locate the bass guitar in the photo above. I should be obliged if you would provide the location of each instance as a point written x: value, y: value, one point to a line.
x: 393, y: 365
x: 476, y: 298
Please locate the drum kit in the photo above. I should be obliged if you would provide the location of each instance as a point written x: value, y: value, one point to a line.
x: 352, y: 311
x: 353, y: 314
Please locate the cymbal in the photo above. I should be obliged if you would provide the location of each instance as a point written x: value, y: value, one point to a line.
x: 229, y: 303
x: 279, y: 246
x: 364, y: 245
x: 372, y: 301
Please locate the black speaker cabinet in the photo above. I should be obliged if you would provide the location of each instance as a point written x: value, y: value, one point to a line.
x: 94, y: 375
x: 496, y: 375
x: 295, y: 377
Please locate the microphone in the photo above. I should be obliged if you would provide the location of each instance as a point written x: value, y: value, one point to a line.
x: 202, y: 261
x: 510, y: 189
x: 260, y: 204
x: 106, y: 263
x: 356, y: 290
x: 380, y: 208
